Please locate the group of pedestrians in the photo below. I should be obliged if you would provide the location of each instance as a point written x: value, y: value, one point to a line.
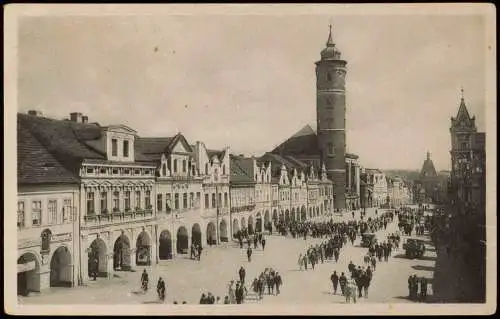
x: 270, y: 278
x: 160, y: 286
x: 414, y: 283
x: 327, y: 250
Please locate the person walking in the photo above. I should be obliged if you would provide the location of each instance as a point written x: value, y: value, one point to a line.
x: 160, y: 289
x: 263, y: 243
x: 270, y: 283
x: 249, y: 253
x: 335, y: 281
x: 144, y: 280
x: 343, y: 283
x: 242, y: 274
x: 277, y: 282
x: 423, y: 289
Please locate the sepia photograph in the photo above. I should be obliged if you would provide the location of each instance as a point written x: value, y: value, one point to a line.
x: 250, y: 159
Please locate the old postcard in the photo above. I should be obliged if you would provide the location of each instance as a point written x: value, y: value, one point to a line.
x: 250, y: 159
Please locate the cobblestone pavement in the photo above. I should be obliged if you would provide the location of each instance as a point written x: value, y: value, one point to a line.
x: 187, y: 279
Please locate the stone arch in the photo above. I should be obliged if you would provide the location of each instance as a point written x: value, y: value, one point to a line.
x: 121, y: 253
x: 282, y: 217
x: 61, y: 269
x: 143, y: 249
x: 243, y: 223
x: 182, y: 240
x: 250, y: 225
x: 196, y: 234
x: 303, y: 213
x: 258, y: 223
x: 267, y: 218
x: 98, y: 258
x: 223, y: 237
x: 236, y: 226
x: 46, y: 236
x: 28, y: 278
x: 211, y: 234
x: 287, y: 216
x: 275, y: 215
x: 165, y: 243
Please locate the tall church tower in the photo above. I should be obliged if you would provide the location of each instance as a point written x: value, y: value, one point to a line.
x: 331, y: 117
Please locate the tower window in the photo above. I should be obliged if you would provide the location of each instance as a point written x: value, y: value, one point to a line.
x: 330, y: 148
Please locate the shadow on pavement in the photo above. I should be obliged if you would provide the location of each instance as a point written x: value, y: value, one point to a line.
x: 430, y: 258
x: 425, y: 268
x: 402, y: 256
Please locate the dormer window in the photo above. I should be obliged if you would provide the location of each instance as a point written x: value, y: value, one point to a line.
x: 125, y: 148
x: 115, y: 171
x: 114, y: 147
x: 137, y: 172
x: 223, y: 169
x: 90, y: 170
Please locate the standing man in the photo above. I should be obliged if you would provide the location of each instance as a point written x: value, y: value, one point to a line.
x: 335, y: 281
x: 95, y: 268
x: 263, y: 242
x: 249, y: 253
x: 423, y: 289
x: 242, y: 274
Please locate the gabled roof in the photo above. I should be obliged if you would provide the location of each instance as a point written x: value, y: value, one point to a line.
x: 220, y: 154
x: 242, y: 170
x: 153, y: 147
x: 35, y: 164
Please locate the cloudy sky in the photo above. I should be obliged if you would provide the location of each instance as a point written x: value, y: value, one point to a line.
x: 248, y: 82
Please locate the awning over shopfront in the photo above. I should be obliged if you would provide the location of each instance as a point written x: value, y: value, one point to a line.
x: 30, y: 265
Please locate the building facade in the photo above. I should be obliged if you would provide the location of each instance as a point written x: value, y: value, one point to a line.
x: 47, y: 214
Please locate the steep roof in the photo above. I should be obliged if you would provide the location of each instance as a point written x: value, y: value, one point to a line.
x: 304, y: 142
x: 428, y: 169
x: 220, y: 154
x: 35, y: 164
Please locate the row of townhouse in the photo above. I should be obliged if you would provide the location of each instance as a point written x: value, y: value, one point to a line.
x: 101, y: 196
x: 379, y: 190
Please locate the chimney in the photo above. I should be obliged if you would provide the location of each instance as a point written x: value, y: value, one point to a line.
x: 241, y: 155
x: 34, y: 113
x: 76, y: 117
x: 85, y: 119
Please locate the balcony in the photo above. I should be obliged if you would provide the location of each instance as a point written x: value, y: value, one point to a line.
x: 240, y: 209
x: 118, y: 217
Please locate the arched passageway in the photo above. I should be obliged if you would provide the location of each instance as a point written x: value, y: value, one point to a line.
x: 165, y: 249
x: 236, y: 227
x: 250, y: 225
x: 143, y: 249
x: 182, y: 241
x: 98, y: 259
x: 211, y: 234
x: 223, y: 231
x: 61, y: 270
x: 196, y: 235
x: 28, y: 278
x: 121, y: 253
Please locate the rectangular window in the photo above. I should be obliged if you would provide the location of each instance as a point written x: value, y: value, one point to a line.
x: 176, y: 201
x: 52, y: 210
x: 114, y: 147
x: 147, y: 200
x: 219, y: 202
x: 36, y: 213
x: 67, y: 210
x: 127, y: 200
x: 185, y: 200
x: 206, y: 201
x: 104, y: 202
x: 138, y: 199
x: 125, y: 148
x: 184, y: 166
x: 213, y: 200
x: 191, y: 200
x: 20, y: 215
x: 225, y: 199
x: 90, y: 203
x: 167, y: 202
x: 159, y: 202
x: 198, y: 198
x: 116, y: 201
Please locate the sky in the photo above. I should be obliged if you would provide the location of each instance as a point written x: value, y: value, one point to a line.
x: 248, y: 82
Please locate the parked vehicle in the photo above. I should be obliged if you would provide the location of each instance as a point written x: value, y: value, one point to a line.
x: 414, y: 248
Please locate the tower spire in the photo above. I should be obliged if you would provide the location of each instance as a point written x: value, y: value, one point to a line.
x: 329, y: 42
x: 462, y: 93
x: 428, y: 155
